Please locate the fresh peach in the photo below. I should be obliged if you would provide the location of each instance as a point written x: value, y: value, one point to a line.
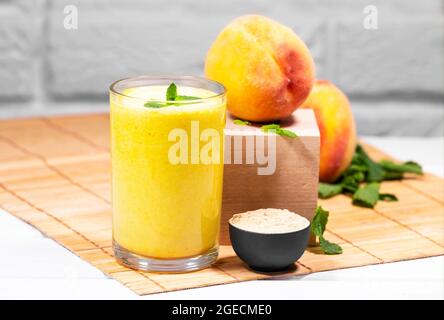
x: 336, y: 126
x: 266, y: 68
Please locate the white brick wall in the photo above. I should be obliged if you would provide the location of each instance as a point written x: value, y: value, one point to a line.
x: 46, y: 69
x: 401, y: 56
x: 16, y: 53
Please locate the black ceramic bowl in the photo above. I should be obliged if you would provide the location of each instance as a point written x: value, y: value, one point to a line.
x: 269, y: 252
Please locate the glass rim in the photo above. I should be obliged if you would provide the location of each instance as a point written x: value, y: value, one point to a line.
x: 112, y: 88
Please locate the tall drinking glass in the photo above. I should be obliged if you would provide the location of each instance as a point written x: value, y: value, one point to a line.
x: 167, y: 170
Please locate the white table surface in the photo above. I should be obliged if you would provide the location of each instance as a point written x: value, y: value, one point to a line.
x: 35, y: 267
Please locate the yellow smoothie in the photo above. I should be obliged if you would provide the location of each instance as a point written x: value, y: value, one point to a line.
x: 164, y: 210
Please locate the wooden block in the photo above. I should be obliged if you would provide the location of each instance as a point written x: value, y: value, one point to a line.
x: 293, y: 184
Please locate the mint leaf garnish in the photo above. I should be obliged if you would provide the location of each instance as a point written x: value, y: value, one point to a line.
x: 387, y: 197
x: 318, y: 226
x: 393, y: 175
x: 367, y: 196
x: 185, y: 98
x: 171, y: 96
x: 319, y: 221
x: 241, y: 122
x: 154, y: 104
x: 278, y: 130
x: 363, y: 169
x: 350, y: 183
x: 406, y: 167
x: 286, y: 133
x: 375, y: 172
x: 171, y: 92
x: 268, y: 127
x: 329, y: 247
x: 327, y: 190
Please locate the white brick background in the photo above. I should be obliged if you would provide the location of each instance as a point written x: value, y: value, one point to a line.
x: 393, y: 75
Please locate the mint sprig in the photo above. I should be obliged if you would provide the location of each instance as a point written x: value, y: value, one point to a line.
x: 278, y: 130
x: 367, y: 196
x: 286, y: 133
x: 327, y: 190
x: 185, y: 98
x: 272, y: 127
x: 318, y: 226
x: 329, y: 247
x: 269, y: 127
x: 375, y: 172
x: 365, y: 170
x: 387, y: 197
x: 154, y: 104
x: 171, y: 96
x: 319, y: 222
x: 171, y: 92
x: 406, y: 167
x: 240, y: 122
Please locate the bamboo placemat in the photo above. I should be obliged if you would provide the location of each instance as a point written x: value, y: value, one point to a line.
x: 54, y: 175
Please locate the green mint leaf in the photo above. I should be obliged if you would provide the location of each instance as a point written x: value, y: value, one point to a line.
x: 286, y: 133
x: 171, y: 92
x: 358, y: 161
x: 171, y: 96
x: 268, y: 127
x: 318, y: 225
x: 154, y: 104
x: 354, y: 168
x: 363, y: 169
x: 185, y: 98
x: 406, y: 167
x: 278, y: 130
x: 329, y: 247
x: 353, y: 175
x: 356, y: 165
x: 182, y: 100
x: 367, y: 196
x: 412, y: 164
x: 387, y: 197
x: 240, y: 122
x: 327, y: 190
x: 350, y: 183
x: 393, y: 175
x: 359, y: 176
x: 375, y: 172
x: 319, y: 221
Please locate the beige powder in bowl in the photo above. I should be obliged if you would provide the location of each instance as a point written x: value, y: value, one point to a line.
x: 269, y: 221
